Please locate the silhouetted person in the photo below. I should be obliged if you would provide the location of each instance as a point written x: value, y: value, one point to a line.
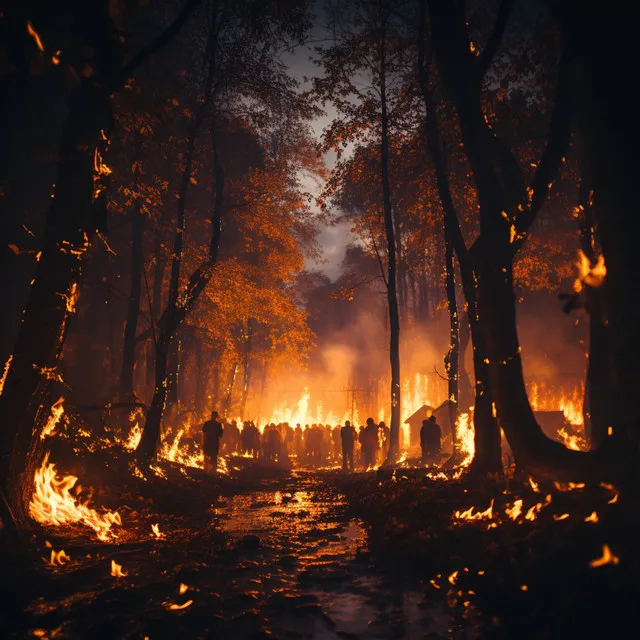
x: 384, y: 434
x: 211, y: 433
x: 430, y: 439
x: 369, y: 442
x: 348, y: 438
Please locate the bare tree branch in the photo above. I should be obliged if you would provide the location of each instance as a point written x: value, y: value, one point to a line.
x: 488, y: 54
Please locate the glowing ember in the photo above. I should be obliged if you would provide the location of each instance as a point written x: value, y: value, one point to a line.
x: 564, y: 516
x: 592, y: 518
x: 155, y: 528
x: 53, y: 504
x: 453, y: 577
x: 183, y: 588
x: 56, y: 413
x: 534, y: 485
x: 116, y: 570
x: 34, y: 34
x: 606, y: 558
x: 7, y: 364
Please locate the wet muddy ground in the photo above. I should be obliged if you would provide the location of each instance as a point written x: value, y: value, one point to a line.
x: 281, y: 558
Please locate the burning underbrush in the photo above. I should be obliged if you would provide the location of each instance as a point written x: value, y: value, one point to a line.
x: 506, y: 554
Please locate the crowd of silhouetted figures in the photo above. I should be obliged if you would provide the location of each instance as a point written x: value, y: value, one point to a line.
x: 314, y: 445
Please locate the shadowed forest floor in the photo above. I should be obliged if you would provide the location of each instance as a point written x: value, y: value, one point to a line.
x: 271, y: 553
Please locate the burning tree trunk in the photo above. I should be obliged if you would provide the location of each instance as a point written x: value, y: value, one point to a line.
x: 487, y: 457
x: 173, y: 372
x: 606, y: 119
x: 599, y: 383
x: 156, y: 306
x: 451, y: 360
x: 71, y: 222
x: 77, y: 210
x: 507, y: 210
x: 133, y: 309
x: 391, y: 280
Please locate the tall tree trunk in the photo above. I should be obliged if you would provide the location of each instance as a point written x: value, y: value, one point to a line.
x: 392, y: 298
x: 246, y: 368
x: 173, y: 372
x: 175, y: 313
x: 200, y: 397
x: 156, y: 304
x: 599, y: 389
x: 465, y: 388
x: 506, y: 213
x: 133, y: 308
x: 487, y: 458
x: 452, y: 358
x: 228, y: 396
x: 71, y: 222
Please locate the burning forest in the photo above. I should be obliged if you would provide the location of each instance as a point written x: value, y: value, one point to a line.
x: 318, y: 319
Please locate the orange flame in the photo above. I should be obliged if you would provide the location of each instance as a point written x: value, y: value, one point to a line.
x: 116, y: 570
x: 57, y: 410
x: 53, y: 504
x: 7, y: 364
x: 606, y: 558
x: 58, y: 558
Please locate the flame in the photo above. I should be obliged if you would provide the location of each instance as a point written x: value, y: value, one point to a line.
x: 534, y: 485
x: 58, y: 558
x: 7, y: 364
x: 606, y: 558
x: 611, y: 488
x: 72, y: 297
x: 591, y: 275
x: 155, y: 528
x: 453, y: 577
x: 592, y: 518
x: 469, y: 514
x: 116, y: 570
x: 465, y: 433
x: 34, y: 34
x: 135, y: 435
x: 178, y: 607
x: 515, y: 511
x: 56, y: 413
x: 53, y: 504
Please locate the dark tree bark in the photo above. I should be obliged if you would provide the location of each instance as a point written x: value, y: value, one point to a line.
x: 606, y: 117
x: 392, y: 297
x: 246, y: 367
x: 176, y: 312
x: 133, y: 308
x: 500, y: 188
x: 77, y: 210
x: 228, y: 396
x: 487, y: 457
x: 156, y: 306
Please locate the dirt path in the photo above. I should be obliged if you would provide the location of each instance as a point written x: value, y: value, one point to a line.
x: 281, y: 560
